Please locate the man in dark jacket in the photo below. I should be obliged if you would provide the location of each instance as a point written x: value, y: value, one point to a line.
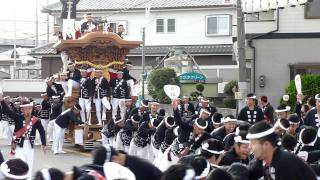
x: 62, y: 122
x: 274, y: 162
x: 268, y: 110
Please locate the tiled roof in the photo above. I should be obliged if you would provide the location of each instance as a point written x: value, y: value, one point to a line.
x: 153, y: 50
x: 102, y: 5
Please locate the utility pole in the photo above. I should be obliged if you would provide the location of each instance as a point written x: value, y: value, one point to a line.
x: 143, y: 59
x: 48, y: 25
x: 37, y: 26
x: 241, y: 42
x: 14, y: 45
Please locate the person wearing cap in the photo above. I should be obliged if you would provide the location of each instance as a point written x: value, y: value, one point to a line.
x: 85, y: 96
x: 127, y: 132
x: 239, y: 152
x: 283, y: 111
x: 229, y: 126
x: 267, y: 109
x: 73, y: 78
x: 62, y: 123
x: 274, y: 162
x: 120, y: 92
x: 24, y: 132
x: 251, y: 113
x: 56, y: 110
x: 313, y: 116
x: 186, y: 108
x: 45, y: 111
x: 101, y: 94
x: 212, y: 150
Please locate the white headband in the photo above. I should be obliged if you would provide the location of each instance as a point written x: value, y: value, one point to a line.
x: 239, y: 139
x: 132, y: 119
x: 261, y: 134
x: 205, y: 146
x: 144, y: 105
x: 311, y: 143
x: 27, y: 105
x: 45, y: 174
x: 228, y: 119
x: 166, y: 121
x: 204, y: 173
x: 252, y: 97
x: 278, y: 123
x: 201, y: 127
x: 5, y: 170
x: 203, y: 110
x: 288, y: 108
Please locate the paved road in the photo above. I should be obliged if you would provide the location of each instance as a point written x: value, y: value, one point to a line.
x: 64, y: 162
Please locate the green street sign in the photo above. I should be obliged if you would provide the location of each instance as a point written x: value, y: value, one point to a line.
x: 192, y: 76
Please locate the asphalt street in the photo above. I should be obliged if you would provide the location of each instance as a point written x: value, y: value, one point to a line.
x: 47, y: 159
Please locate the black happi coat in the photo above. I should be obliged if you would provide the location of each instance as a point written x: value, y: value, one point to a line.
x: 232, y: 157
x: 19, y: 123
x: 103, y: 90
x: 75, y: 75
x: 312, y: 118
x: 251, y: 116
x: 284, y: 166
x: 45, y: 110
x: 86, y: 88
x: 64, y: 119
x: 55, y: 90
x: 120, y: 89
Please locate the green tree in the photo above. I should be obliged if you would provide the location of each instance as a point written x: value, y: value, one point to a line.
x: 310, y: 86
x: 229, y: 101
x: 159, y: 78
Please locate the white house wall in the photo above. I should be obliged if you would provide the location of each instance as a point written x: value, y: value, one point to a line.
x: 190, y: 26
x: 291, y: 20
x: 273, y: 59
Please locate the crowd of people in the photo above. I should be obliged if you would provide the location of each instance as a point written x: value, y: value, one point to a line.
x: 146, y: 142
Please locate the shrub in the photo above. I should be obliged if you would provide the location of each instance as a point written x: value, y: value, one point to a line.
x: 230, y: 102
x: 310, y: 86
x: 157, y: 79
x: 200, y: 88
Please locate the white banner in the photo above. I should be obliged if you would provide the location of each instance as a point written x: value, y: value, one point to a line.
x: 250, y: 6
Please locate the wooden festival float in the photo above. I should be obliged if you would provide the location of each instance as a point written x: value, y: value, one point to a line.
x: 101, y: 50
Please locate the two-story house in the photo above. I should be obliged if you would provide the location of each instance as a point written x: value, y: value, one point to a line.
x: 203, y: 28
x: 281, y: 44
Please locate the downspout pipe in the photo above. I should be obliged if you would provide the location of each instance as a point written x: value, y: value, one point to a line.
x: 250, y: 43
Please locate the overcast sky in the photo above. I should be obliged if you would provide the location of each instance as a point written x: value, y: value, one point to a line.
x: 25, y: 16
